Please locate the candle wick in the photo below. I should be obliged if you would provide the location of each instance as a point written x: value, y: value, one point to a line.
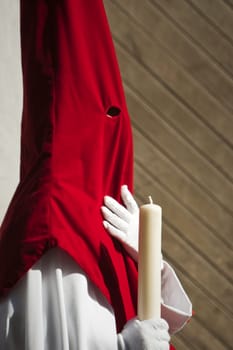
x: 150, y: 200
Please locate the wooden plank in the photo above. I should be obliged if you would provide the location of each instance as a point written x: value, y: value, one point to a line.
x: 229, y: 3
x: 179, y: 343
x: 200, y: 338
x: 211, y: 310
x: 209, y: 279
x: 158, y: 137
x: 162, y: 67
x: 184, y: 51
x: 193, y: 230
x: 218, y: 13
x: 183, y: 145
x: 210, y: 178
x: 197, y: 236
x: 207, y: 311
x: 179, y: 117
x: 159, y: 98
x: 209, y: 39
x: 209, y: 321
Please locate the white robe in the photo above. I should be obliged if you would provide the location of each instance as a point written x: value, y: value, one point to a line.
x: 56, y: 307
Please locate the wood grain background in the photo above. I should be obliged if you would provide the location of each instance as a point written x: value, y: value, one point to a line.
x: 176, y: 61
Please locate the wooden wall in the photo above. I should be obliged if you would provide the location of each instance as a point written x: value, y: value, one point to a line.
x: 176, y: 60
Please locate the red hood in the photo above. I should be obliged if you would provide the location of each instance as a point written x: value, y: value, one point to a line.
x: 72, y: 153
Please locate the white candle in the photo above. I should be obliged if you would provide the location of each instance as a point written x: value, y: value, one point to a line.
x: 149, y: 261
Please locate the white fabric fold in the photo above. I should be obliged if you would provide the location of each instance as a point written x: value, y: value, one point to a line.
x: 56, y: 306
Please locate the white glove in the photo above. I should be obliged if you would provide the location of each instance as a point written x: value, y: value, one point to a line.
x: 122, y: 222
x: 144, y: 335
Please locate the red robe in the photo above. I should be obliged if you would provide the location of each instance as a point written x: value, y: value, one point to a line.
x: 72, y: 152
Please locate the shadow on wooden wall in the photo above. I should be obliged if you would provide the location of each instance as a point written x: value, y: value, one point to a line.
x: 176, y: 60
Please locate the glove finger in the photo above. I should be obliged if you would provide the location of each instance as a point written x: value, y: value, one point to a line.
x: 158, y: 323
x: 114, y: 219
x: 164, y: 336
x: 117, y: 208
x: 158, y: 327
x: 121, y: 236
x: 128, y: 200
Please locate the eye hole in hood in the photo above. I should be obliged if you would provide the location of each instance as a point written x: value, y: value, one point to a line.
x: 113, y: 111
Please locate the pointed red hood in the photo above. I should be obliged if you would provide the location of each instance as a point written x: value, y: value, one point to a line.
x: 72, y: 152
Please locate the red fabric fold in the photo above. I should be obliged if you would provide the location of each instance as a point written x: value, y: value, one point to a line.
x: 72, y: 153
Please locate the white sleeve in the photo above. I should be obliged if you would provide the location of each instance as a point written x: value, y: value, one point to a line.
x: 176, y: 307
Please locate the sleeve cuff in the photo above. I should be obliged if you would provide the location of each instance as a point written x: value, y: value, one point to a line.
x: 176, y: 307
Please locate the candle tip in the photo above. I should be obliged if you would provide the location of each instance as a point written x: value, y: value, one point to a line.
x: 150, y: 200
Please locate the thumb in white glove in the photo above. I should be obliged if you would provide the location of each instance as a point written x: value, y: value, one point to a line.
x: 122, y: 222
x: 144, y: 335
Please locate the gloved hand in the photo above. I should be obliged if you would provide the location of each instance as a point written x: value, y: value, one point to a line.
x: 122, y: 222
x: 144, y: 335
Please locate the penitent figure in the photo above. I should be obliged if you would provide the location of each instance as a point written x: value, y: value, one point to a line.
x: 68, y: 276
